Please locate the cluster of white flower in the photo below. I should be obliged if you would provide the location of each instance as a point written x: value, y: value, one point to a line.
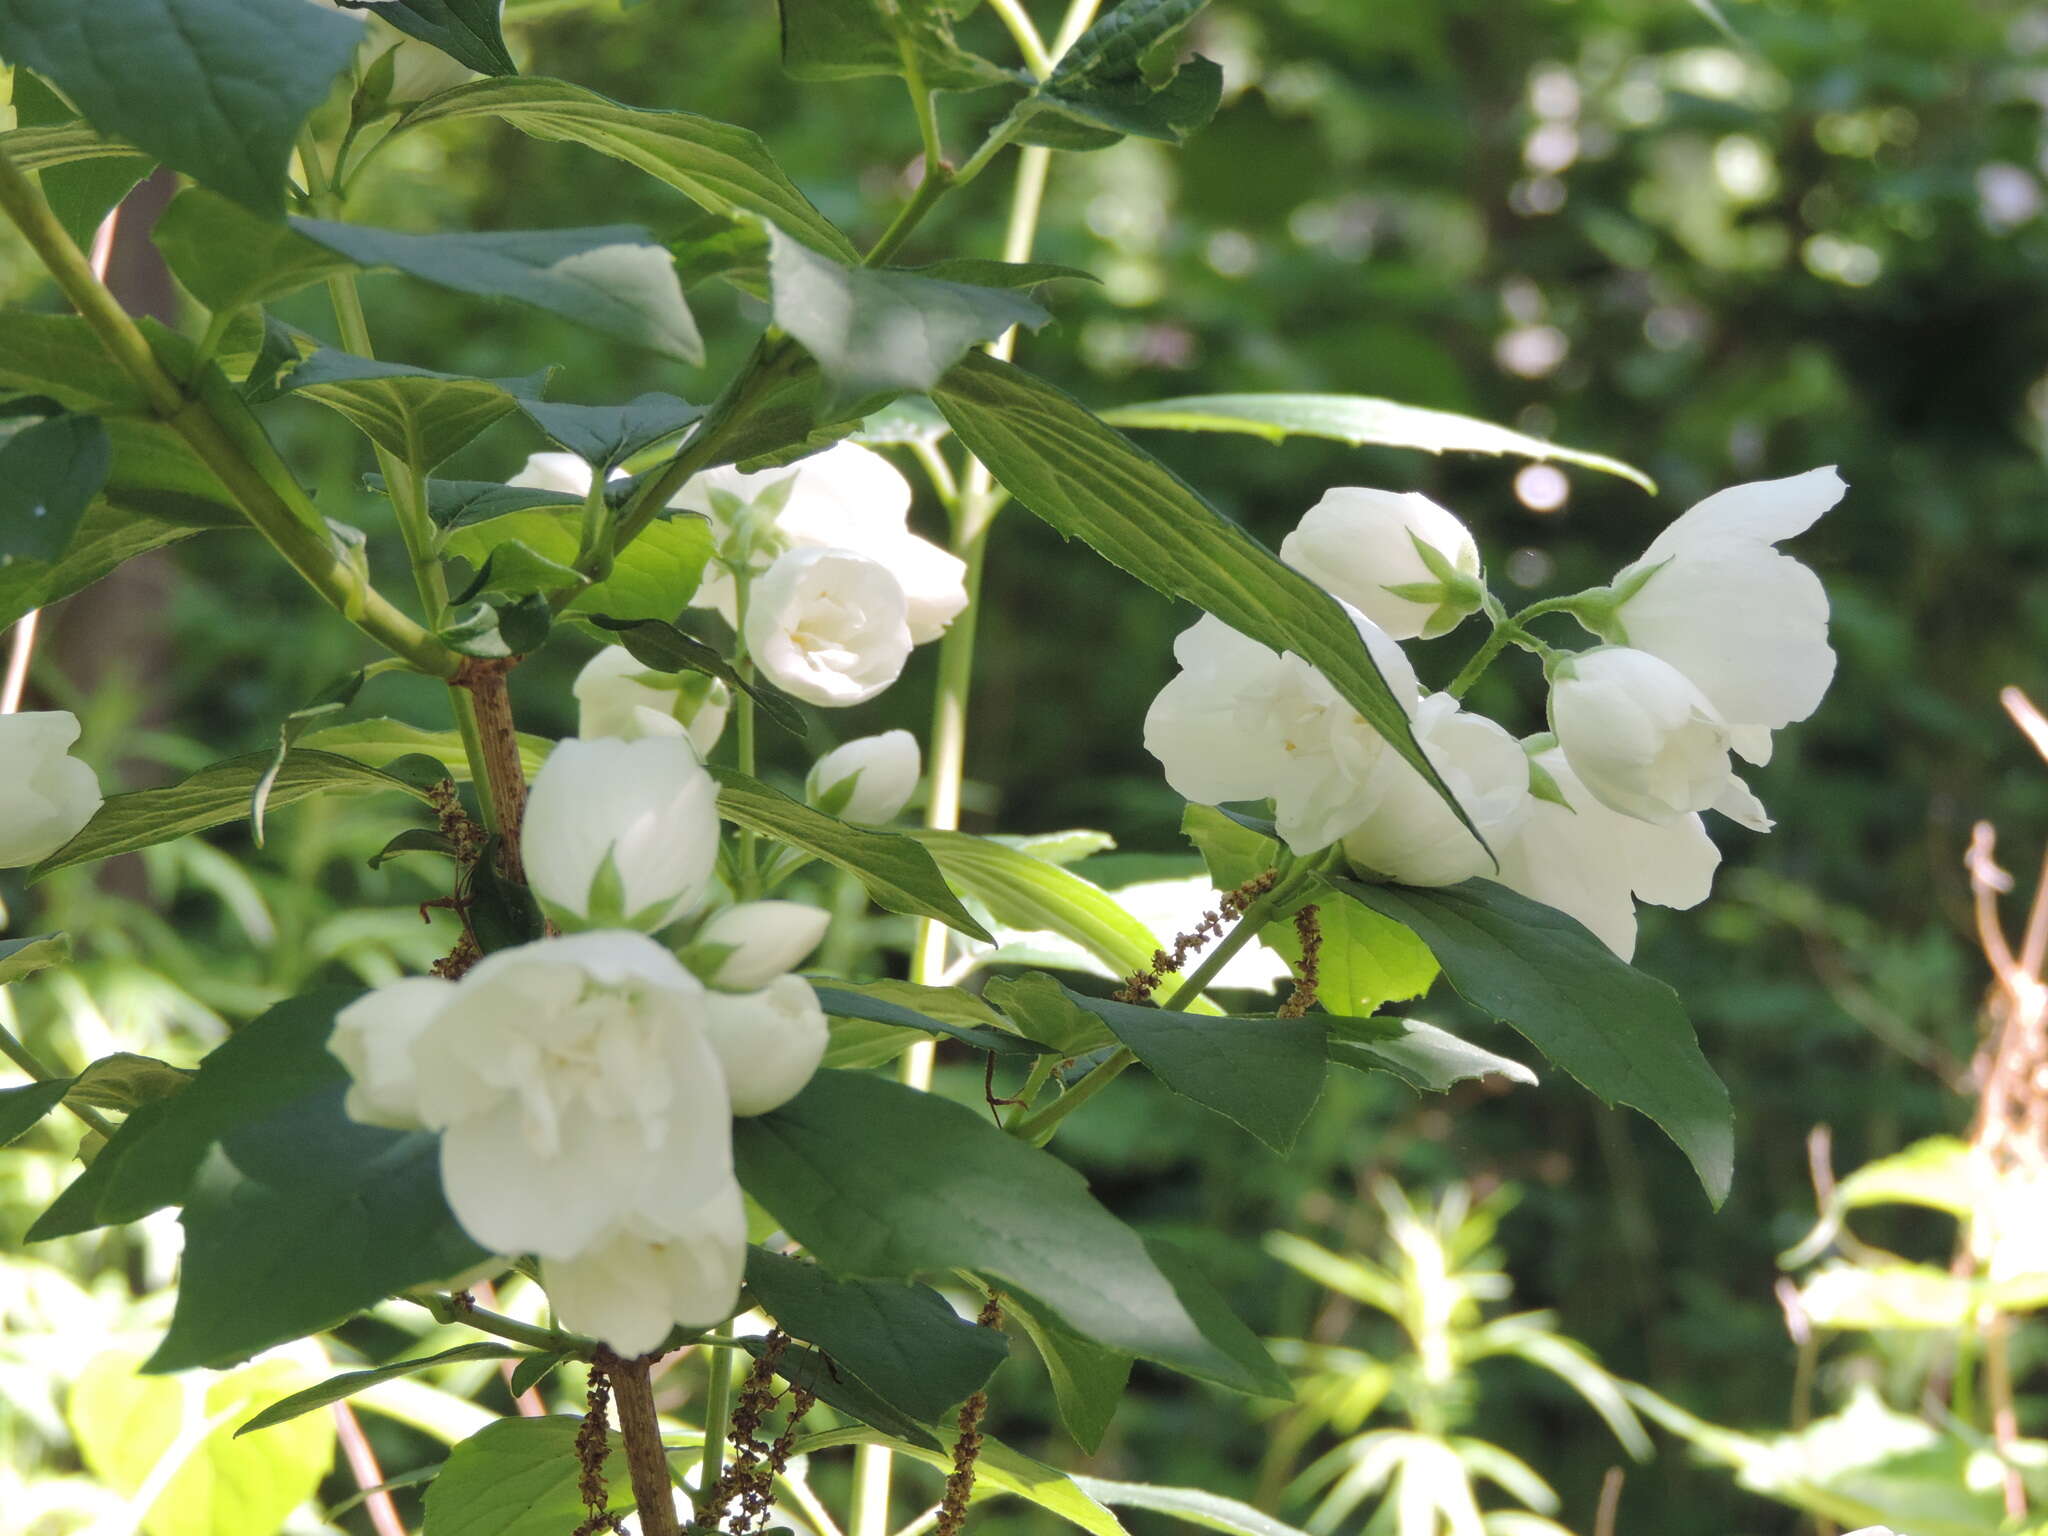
x: 1713, y: 640
x: 814, y: 565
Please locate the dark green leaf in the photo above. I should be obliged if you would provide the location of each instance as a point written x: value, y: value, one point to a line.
x: 1219, y: 1325
x: 501, y: 914
x: 882, y: 1182
x: 59, y: 356
x: 1102, y: 89
x: 210, y: 798
x: 608, y: 435
x: 414, y: 413
x: 1088, y: 1380
x: 227, y: 258
x: 412, y: 840
x: 879, y: 330
x: 24, y: 957
x: 848, y: 39
x: 106, y: 538
x: 517, y: 1477
x: 1091, y: 482
x: 725, y: 169
x: 77, y: 1209
x: 214, y: 88
x: 843, y: 1003
x: 983, y: 273
x: 654, y: 577
x: 125, y: 1082
x: 738, y: 253
x: 1038, y: 1005
x: 1357, y: 420
x: 534, y: 1369
x: 467, y: 31
x: 822, y: 1377
x: 349, y: 1383
x: 457, y: 503
x: 21, y: 1108
x: 897, y: 872
x: 1623, y: 1034
x: 82, y: 182
x: 662, y: 647
x: 616, y: 280
x: 904, y: 1341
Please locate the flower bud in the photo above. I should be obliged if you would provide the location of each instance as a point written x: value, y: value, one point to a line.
x: 866, y: 781
x: 617, y: 696
x: 1412, y: 836
x: 1642, y: 739
x: 746, y: 947
x: 1400, y: 559
x: 769, y: 1042
x: 373, y: 1038
x: 49, y: 795
x: 828, y: 626
x: 621, y: 833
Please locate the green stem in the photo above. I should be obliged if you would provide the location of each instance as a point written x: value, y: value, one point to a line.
x: 271, y: 501
x: 922, y: 104
x: 26, y: 1059
x: 744, y: 724
x: 447, y: 1309
x: 1012, y: 15
x: 717, y: 1410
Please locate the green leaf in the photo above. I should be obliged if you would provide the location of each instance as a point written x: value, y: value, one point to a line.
x: 331, y: 701
x: 77, y: 1208
x: 848, y: 39
x: 125, y: 1082
x: 335, y: 1388
x: 1194, y: 1506
x: 654, y: 577
x: 1622, y: 1034
x: 468, y: 31
x: 457, y: 503
x: 998, y: 1471
x: 21, y: 1108
x: 534, y: 1369
x: 1102, y: 90
x: 725, y: 169
x: 1021, y: 891
x: 381, y: 742
x: 512, y: 569
x: 228, y: 258
x: 607, y: 435
x: 59, y: 356
x: 1426, y: 1058
x: 214, y: 88
x: 1088, y: 1381
x: 81, y: 191
x: 177, y: 1440
x: 818, y: 1374
x: 1088, y: 480
x: 296, y: 1217
x: 879, y: 330
x: 904, y: 1341
x: 849, y: 1002
x: 1039, y: 1004
x: 414, y: 413
x: 1357, y: 420
x: 616, y: 280
x: 212, y: 797
x: 107, y: 537
x: 662, y: 647
x: 1205, y: 1058
x: 899, y: 874
x: 24, y: 957
x: 983, y: 273
x: 46, y: 146
x: 517, y: 1477
x: 882, y: 1182
x: 1219, y: 1325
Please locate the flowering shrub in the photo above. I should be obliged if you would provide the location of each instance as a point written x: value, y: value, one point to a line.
x: 615, y: 1080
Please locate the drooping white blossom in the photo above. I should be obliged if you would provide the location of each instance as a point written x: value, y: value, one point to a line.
x: 759, y: 941
x: 1745, y: 623
x: 1411, y: 836
x: 618, y: 696
x: 769, y: 1041
x: 621, y: 832
x: 1243, y: 722
x: 629, y: 1290
x: 828, y: 626
x: 879, y: 775
x: 1644, y: 740
x: 1595, y: 863
x: 46, y: 795
x: 847, y: 497
x: 1388, y: 554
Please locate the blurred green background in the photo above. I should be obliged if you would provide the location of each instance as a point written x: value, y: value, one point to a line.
x: 1720, y: 257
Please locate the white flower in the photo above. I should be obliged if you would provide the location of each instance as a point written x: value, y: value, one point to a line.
x: 847, y: 497
x: 1388, y: 555
x: 879, y: 775
x: 770, y: 1042
x: 373, y: 1037
x: 1644, y: 740
x: 760, y: 940
x: 1412, y: 836
x: 828, y: 626
x: 1747, y: 625
x: 621, y: 832
x: 49, y: 795
x: 577, y: 1093
x: 629, y: 1290
x: 565, y: 473
x: 1595, y: 863
x: 1243, y: 722
x: 617, y: 696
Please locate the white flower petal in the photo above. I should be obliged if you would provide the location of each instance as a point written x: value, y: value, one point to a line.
x: 770, y: 1042
x: 49, y: 795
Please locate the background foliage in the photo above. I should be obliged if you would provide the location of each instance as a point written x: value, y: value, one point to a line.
x: 1602, y: 220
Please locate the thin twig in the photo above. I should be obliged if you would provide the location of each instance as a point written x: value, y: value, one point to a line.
x: 362, y: 1466
x: 1610, y: 1502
